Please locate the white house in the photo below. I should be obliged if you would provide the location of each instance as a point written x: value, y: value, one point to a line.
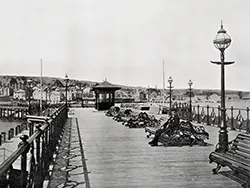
x: 19, y: 94
x: 5, y: 91
x: 37, y: 94
x: 55, y: 97
x: 73, y: 92
x: 179, y: 96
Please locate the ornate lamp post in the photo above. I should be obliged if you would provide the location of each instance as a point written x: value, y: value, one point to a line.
x: 222, y: 42
x: 49, y: 92
x: 190, y: 83
x: 82, y: 97
x: 170, y: 81
x: 46, y: 96
x: 66, y: 92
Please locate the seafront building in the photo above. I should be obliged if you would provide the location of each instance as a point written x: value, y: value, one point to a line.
x: 54, y: 92
x: 19, y: 94
x: 6, y: 91
x: 37, y: 93
x: 55, y: 97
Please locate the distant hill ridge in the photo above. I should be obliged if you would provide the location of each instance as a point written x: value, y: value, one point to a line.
x: 7, y: 80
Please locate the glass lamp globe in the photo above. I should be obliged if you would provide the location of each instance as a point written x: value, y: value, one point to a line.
x: 222, y: 39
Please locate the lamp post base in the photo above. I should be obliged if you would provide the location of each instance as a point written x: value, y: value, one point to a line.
x: 223, y: 140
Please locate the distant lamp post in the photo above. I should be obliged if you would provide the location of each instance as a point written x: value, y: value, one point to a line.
x: 29, y: 95
x: 170, y: 81
x: 66, y: 92
x: 221, y: 42
x: 49, y: 92
x: 82, y: 97
x: 190, y: 83
x: 46, y: 97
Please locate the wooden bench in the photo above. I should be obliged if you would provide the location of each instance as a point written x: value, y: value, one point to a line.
x: 236, y: 158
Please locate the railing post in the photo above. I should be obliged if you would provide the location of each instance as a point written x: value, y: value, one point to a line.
x: 198, y: 112
x: 50, y: 142
x: 9, y: 134
x: 46, y: 150
x: 43, y: 156
x: 247, y: 127
x: 16, y: 130
x: 31, y: 127
x: 12, y: 132
x: 193, y: 113
x: 232, y: 118
x: 24, y: 172
x: 4, y: 136
x: 208, y: 122
x: 38, y: 179
x: 19, y: 129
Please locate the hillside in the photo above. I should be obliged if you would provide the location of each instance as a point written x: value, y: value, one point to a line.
x: 8, y: 80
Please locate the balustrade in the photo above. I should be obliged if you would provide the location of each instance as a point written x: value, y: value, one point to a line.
x: 36, y: 151
x: 236, y: 118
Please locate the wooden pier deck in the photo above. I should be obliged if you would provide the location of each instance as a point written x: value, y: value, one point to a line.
x: 117, y: 156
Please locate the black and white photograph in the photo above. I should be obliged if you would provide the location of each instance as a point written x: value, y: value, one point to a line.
x: 124, y: 94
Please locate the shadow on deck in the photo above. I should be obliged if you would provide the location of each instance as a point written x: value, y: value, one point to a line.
x: 117, y: 156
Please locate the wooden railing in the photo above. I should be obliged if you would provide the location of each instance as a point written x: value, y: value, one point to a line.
x: 36, y: 152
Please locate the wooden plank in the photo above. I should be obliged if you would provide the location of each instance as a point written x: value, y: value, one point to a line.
x: 244, y: 137
x: 120, y: 157
x: 240, y: 157
x: 242, y: 148
x: 233, y: 160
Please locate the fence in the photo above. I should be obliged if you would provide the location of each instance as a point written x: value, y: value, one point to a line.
x: 36, y: 150
x: 236, y: 118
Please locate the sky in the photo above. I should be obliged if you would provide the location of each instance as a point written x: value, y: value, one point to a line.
x: 126, y: 41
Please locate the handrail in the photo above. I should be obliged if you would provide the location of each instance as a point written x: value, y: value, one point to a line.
x: 12, y: 158
x: 26, y: 144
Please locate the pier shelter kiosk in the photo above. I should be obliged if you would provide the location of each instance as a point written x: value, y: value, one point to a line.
x: 105, y: 95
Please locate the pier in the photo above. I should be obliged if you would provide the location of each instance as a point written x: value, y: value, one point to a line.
x: 92, y: 150
x: 124, y: 94
x: 120, y: 157
x: 13, y: 112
